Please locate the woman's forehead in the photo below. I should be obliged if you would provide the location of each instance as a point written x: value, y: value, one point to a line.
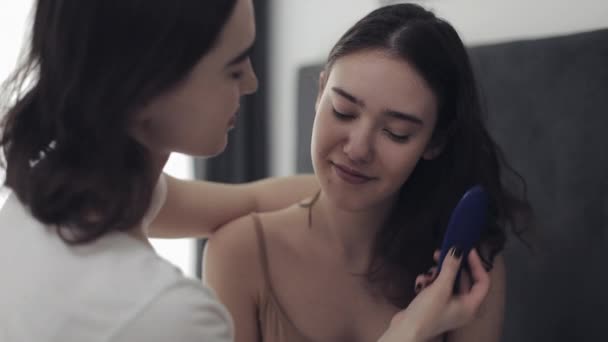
x: 377, y: 79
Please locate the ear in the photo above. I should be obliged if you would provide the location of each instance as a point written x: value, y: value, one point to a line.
x: 321, y: 88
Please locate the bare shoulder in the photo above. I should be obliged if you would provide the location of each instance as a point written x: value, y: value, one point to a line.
x: 231, y: 253
x: 234, y: 243
x: 487, y: 325
x: 497, y: 274
x: 498, y: 267
x: 285, y: 229
x: 235, y: 252
x: 498, y: 280
x: 237, y: 243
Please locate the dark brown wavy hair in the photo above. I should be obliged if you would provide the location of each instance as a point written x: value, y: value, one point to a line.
x: 414, y: 229
x: 68, y: 154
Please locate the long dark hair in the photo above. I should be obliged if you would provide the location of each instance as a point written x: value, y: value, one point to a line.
x: 90, y: 64
x: 405, y: 243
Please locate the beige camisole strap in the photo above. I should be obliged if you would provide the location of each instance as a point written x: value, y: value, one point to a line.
x: 275, y: 325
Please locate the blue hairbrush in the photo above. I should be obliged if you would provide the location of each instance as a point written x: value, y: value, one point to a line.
x: 467, y: 223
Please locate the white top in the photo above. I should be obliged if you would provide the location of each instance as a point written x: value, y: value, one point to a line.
x: 114, y: 289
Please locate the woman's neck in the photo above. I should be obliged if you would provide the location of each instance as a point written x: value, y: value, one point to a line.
x: 158, y: 163
x: 351, y: 234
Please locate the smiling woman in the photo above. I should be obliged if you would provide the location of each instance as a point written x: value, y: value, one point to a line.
x: 397, y: 138
x: 358, y: 121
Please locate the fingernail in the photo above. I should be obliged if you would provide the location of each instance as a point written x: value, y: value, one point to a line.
x: 456, y: 252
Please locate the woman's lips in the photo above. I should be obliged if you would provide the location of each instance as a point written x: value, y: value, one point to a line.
x: 349, y: 175
x: 232, y: 122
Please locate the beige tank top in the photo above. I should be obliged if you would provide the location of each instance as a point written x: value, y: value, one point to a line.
x: 275, y: 325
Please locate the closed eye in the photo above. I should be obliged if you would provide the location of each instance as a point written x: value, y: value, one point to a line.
x: 236, y: 75
x: 397, y: 137
x: 342, y: 116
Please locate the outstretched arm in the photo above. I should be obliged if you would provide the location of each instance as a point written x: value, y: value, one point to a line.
x: 198, y: 208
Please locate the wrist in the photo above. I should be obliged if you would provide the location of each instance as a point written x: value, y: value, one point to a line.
x: 404, y: 335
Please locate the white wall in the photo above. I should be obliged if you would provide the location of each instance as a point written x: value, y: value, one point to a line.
x: 13, y: 27
x: 13, y: 22
x: 304, y: 32
x: 13, y: 15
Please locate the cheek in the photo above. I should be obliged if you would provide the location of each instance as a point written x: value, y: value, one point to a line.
x: 217, y: 101
x: 326, y: 135
x: 400, y: 161
x: 316, y: 142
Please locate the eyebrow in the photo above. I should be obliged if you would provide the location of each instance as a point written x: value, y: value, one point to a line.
x: 388, y: 112
x: 403, y: 116
x: 241, y: 57
x: 348, y: 96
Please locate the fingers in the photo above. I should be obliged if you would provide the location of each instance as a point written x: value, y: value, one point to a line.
x: 481, y: 278
x: 469, y: 302
x: 450, y: 267
x: 424, y: 280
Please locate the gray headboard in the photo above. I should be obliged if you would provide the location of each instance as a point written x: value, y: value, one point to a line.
x: 547, y: 102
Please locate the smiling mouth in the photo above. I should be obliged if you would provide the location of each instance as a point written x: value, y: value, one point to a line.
x: 349, y: 175
x: 232, y: 122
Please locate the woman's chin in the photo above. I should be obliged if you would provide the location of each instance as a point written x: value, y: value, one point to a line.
x: 350, y: 203
x: 211, y: 150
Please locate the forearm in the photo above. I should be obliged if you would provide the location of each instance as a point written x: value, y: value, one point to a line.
x: 400, y: 336
x: 276, y: 193
x: 198, y: 208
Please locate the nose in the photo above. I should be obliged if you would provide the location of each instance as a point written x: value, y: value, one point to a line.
x: 249, y: 82
x: 359, y: 146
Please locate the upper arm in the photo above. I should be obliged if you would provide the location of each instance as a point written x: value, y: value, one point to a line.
x: 198, y: 208
x: 187, y: 313
x: 487, y: 326
x: 232, y: 269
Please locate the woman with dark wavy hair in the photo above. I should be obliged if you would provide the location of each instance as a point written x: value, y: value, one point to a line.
x: 398, y: 138
x: 109, y: 89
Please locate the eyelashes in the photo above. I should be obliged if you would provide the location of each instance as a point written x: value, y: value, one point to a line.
x: 397, y: 137
x: 342, y: 116
x: 393, y: 136
x: 236, y: 75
